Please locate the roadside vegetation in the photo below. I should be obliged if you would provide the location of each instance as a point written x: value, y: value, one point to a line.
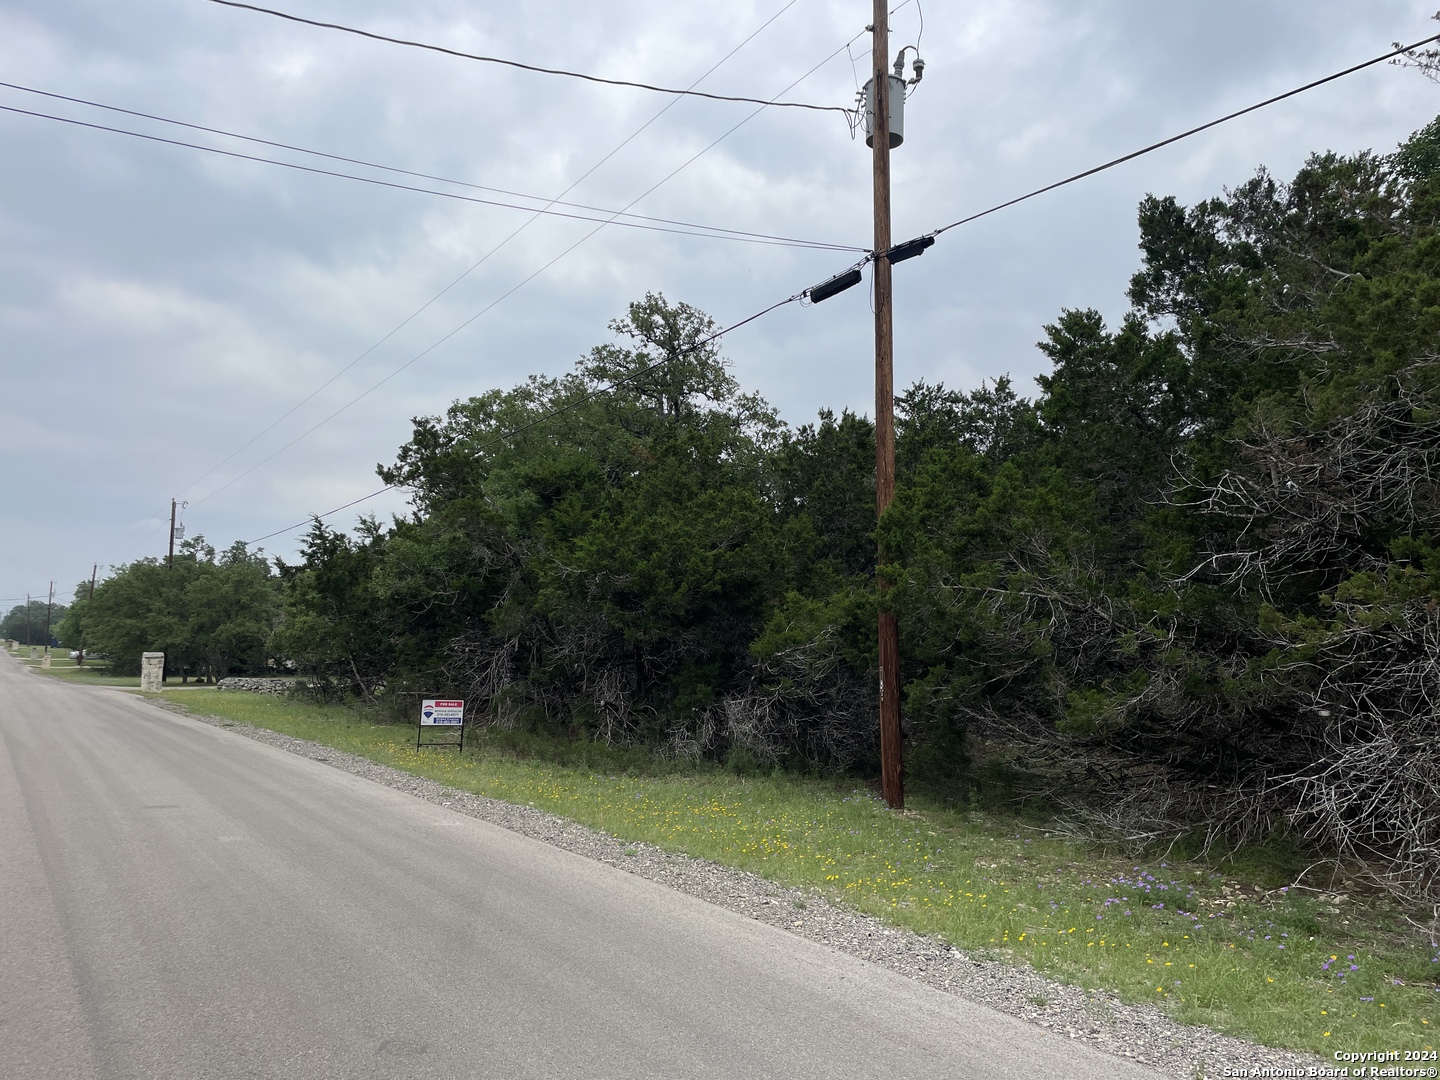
x: 1187, y: 589
x: 210, y: 613
x: 1185, y: 598
x: 1229, y: 943
x: 28, y: 623
x: 64, y: 667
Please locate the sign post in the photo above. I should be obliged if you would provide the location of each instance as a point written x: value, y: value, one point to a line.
x: 435, y: 713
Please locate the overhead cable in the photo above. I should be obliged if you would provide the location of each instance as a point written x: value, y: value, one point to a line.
x: 685, y: 225
x: 494, y: 249
x: 526, y: 67
x: 509, y: 292
x: 734, y: 235
x: 550, y: 414
x: 1397, y: 51
x: 320, y: 517
x: 911, y: 248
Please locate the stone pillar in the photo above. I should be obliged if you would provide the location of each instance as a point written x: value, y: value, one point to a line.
x: 46, y: 662
x: 152, y: 672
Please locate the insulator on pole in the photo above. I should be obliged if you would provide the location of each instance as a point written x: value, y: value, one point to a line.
x: 909, y: 249
x: 830, y: 286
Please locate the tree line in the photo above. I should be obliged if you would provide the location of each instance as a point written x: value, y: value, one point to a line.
x: 212, y: 615
x: 1190, y: 586
x: 32, y: 623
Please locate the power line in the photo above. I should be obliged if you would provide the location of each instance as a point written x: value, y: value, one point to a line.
x: 680, y: 226
x: 550, y: 414
x: 966, y: 220
x: 511, y: 291
x: 480, y: 261
x: 1186, y: 134
x: 483, y: 258
x: 1399, y: 50
x: 320, y: 517
x: 528, y: 67
x: 734, y: 235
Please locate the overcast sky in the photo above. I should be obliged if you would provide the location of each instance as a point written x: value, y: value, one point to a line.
x: 161, y: 306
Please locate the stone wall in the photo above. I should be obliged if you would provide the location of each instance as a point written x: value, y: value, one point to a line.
x: 256, y: 686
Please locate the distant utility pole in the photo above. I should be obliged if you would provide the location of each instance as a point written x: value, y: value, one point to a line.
x: 892, y: 785
x: 29, y: 639
x: 80, y: 652
x: 49, y: 607
x: 170, y: 558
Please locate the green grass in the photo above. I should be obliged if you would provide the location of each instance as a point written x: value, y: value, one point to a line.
x: 1280, y: 967
x: 62, y: 667
x: 93, y: 673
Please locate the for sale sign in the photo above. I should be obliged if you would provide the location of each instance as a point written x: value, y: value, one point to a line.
x: 434, y: 713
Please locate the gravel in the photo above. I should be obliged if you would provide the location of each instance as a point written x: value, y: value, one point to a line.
x: 1142, y: 1033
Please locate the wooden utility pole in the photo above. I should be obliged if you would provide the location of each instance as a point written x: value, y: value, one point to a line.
x: 170, y: 558
x: 29, y: 638
x: 80, y: 652
x: 892, y: 786
x: 49, y: 607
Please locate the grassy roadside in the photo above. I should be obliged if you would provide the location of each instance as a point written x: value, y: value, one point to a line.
x: 66, y: 669
x: 1306, y: 971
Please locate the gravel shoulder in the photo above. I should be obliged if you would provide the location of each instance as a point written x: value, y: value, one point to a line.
x: 1141, y: 1033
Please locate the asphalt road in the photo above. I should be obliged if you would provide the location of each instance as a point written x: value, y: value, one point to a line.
x: 177, y: 901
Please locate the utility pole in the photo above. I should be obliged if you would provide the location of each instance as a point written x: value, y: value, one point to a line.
x: 170, y: 558
x: 29, y: 639
x: 892, y: 787
x: 49, y: 607
x: 80, y: 652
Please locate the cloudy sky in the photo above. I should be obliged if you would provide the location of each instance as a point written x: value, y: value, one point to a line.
x: 161, y: 307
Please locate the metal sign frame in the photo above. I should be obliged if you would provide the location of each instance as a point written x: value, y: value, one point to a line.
x: 431, y: 704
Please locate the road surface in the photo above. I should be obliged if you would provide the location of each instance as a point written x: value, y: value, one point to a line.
x: 177, y: 901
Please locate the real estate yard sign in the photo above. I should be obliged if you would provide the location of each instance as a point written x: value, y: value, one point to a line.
x: 436, y: 712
